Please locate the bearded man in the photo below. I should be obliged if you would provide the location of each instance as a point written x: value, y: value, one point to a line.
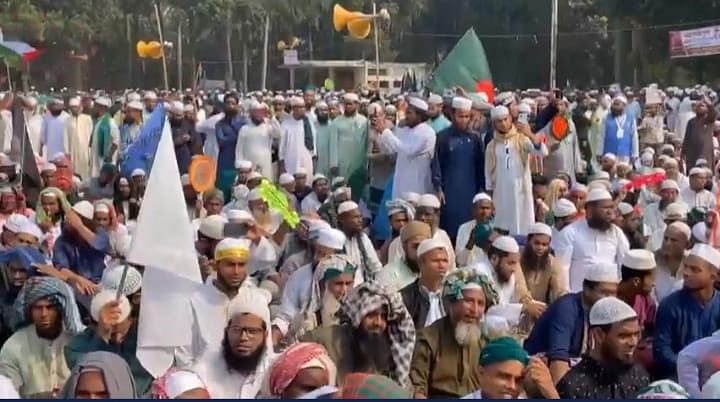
x: 446, y: 352
x: 402, y: 271
x: 542, y: 271
x: 255, y: 141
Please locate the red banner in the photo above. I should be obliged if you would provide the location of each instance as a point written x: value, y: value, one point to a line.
x: 695, y: 42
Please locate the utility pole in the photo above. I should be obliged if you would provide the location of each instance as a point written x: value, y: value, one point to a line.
x: 553, y: 43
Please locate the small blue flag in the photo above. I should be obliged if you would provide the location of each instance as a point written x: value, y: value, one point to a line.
x: 140, y: 154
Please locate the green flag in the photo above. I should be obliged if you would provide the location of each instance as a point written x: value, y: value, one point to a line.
x: 10, y: 56
x: 465, y: 66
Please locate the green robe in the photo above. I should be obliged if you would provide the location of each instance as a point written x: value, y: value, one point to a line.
x: 322, y: 139
x: 348, y: 151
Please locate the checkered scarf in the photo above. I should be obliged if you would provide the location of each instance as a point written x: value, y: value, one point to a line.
x: 371, y: 386
x: 370, y: 296
x: 59, y: 293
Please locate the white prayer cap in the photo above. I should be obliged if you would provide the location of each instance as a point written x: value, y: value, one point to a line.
x: 15, y: 222
x: 610, y: 156
x: 136, y: 105
x: 102, y: 207
x: 610, y: 310
x: 106, y: 296
x: 701, y: 162
x: 112, y: 276
x: 624, y: 208
x: 646, y: 157
x: 297, y: 101
x: 31, y: 101
x: 337, y: 180
x: 419, y: 104
x: 150, y: 95
x: 48, y: 167
x: 539, y: 228
x: 301, y: 171
x: 138, y: 172
x: 620, y: 184
x: 243, y: 164
x: 212, y: 227
x: 620, y: 98
x: 181, y: 381
x: 481, y: 197
x: 697, y: 170
x: 321, y: 105
x: 103, y: 101
x: 185, y: 179
x: 601, y: 175
x: 578, y: 188
x: 251, y: 300
x: 231, y: 247
x: 286, y: 178
x: 524, y: 108
x: 639, y: 259
x: 32, y: 229
x: 56, y: 157
x: 429, y: 245
x: 133, y: 97
x: 708, y: 253
x: 331, y: 238
x: 649, y: 150
x: 461, y: 103
x: 318, y: 176
x: 699, y: 232
x: 598, y: 194
x: 411, y: 197
x: 239, y: 216
x: 682, y: 227
x: 435, y: 99
x: 499, y: 112
x: 602, y: 272
x: 506, y: 244
x: 74, y: 102
x: 563, y: 208
x: 188, y: 108
x: 347, y: 206
x: 177, y: 107
x: 254, y: 195
x: 314, y: 226
x: 669, y: 185
x: 351, y: 97
x: 505, y: 98
x: 255, y: 105
x: 254, y: 176
x: 278, y: 99
x: 675, y: 210
x: 84, y: 209
x: 429, y: 201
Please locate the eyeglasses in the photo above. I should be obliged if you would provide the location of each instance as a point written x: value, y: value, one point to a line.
x: 252, y: 332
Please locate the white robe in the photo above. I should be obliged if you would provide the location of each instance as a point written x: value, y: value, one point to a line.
x: 96, y: 161
x: 292, y: 150
x: 580, y: 247
x: 207, y: 127
x: 34, y: 128
x: 352, y: 250
x: 255, y: 145
x: 684, y: 115
x: 295, y: 296
x: 310, y: 203
x: 396, y: 251
x: 53, y: 136
x: 415, y: 148
x: 703, y: 199
x: 689, y: 360
x: 512, y: 195
x: 78, y: 130
x: 508, y: 307
x: 464, y: 256
x: 7, y: 133
x: 566, y: 157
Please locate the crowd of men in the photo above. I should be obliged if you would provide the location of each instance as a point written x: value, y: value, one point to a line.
x: 520, y: 244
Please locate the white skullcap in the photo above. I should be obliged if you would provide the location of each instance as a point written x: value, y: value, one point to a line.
x: 32, y: 229
x: 188, y: 108
x: 620, y: 184
x: 74, y: 102
x: 250, y: 300
x: 429, y: 201
x: 255, y: 105
x: 254, y: 195
x: 610, y: 156
x: 297, y: 101
x: 539, y: 228
x: 624, y: 208
x: 15, y: 222
x: 84, y: 209
x: 337, y: 180
x: 682, y: 227
x: 669, y: 185
x: 331, y: 238
x: 602, y: 272
x: 347, y: 206
x: 506, y: 244
x: 102, y: 208
x: 286, y: 178
x: 461, y: 103
x: 300, y: 172
x: 351, y: 97
x: 239, y: 216
x: 699, y: 232
x: 135, y: 105
x: 524, y: 108
x: 411, y: 197
x: 639, y: 259
x: 499, y: 112
x: 610, y: 310
x: 139, y: 172
x: 675, y: 210
x: 321, y: 105
x: 102, y: 298
x: 481, y: 197
x: 314, y: 227
x: 318, y: 176
x: 598, y: 194
x: 649, y: 150
x: 435, y: 99
x: 701, y: 162
x: 429, y: 245
x: 254, y: 176
x: 150, y: 95
x: 231, y: 247
x: 103, y: 101
x: 620, y: 98
x: 177, y: 107
x: 112, y: 276
x: 58, y: 156
x: 563, y: 208
x: 601, y: 175
x: 646, y: 157
x: 578, y: 188
x: 697, y: 170
x: 243, y: 164
x: 185, y: 179
x: 181, y: 381
x: 134, y: 97
x: 32, y: 102
x: 49, y: 167
x: 213, y: 226
x: 418, y: 103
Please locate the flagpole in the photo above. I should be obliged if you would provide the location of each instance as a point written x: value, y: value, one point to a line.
x: 162, y: 43
x: 377, y: 48
x: 553, y: 43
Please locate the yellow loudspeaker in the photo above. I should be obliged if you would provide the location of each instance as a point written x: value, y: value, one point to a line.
x: 152, y: 49
x: 357, y: 23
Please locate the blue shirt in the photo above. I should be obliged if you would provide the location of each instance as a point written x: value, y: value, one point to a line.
x: 87, y: 260
x: 681, y: 320
x: 227, y: 135
x: 559, y: 331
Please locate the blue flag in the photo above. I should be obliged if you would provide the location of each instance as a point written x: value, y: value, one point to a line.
x: 140, y: 154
